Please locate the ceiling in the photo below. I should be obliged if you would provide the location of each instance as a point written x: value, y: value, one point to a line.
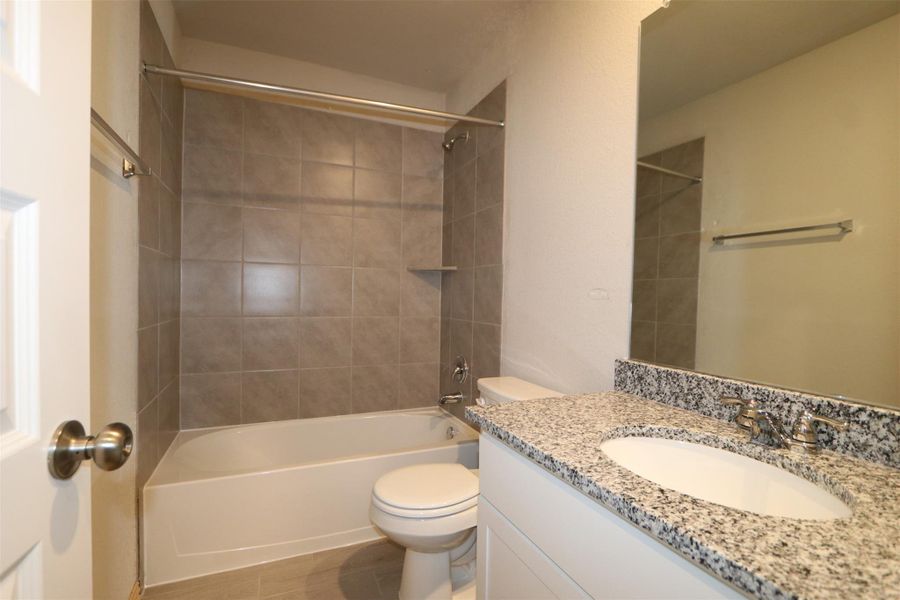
x: 427, y: 43
x: 696, y: 47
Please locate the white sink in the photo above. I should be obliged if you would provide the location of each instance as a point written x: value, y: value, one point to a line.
x: 724, y: 478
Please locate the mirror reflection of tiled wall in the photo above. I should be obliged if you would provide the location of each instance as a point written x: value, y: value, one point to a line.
x: 667, y: 257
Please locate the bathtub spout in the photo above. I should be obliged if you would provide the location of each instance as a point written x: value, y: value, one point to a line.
x: 451, y: 398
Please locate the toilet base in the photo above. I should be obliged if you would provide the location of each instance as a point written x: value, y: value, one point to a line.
x: 426, y: 576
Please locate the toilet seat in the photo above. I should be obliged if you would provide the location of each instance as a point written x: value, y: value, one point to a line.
x: 426, y: 491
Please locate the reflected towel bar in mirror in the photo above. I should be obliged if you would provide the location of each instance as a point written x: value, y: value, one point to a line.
x: 845, y: 226
x: 665, y: 171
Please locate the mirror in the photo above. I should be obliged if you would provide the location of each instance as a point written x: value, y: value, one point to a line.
x: 758, y: 117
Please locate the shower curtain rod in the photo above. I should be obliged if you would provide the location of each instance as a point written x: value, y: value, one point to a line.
x: 303, y: 93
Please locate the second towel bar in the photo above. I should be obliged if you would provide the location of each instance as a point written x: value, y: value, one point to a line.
x: 846, y: 226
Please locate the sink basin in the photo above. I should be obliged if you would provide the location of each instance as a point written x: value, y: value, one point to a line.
x: 725, y: 478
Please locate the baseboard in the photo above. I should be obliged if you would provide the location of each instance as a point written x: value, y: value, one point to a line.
x: 135, y: 591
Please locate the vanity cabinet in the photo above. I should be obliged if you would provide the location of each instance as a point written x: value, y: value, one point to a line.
x: 541, y: 538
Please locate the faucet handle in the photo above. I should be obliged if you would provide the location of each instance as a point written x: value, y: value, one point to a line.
x: 804, y: 432
x: 746, y: 417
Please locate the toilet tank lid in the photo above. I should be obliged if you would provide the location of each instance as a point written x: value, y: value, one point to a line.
x: 512, y: 388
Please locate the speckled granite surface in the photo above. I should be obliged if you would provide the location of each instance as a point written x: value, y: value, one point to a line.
x: 873, y: 434
x: 766, y: 557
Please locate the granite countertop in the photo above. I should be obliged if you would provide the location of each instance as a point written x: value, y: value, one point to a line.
x: 765, y: 557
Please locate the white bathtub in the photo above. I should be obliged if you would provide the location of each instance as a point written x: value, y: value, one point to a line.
x: 231, y: 497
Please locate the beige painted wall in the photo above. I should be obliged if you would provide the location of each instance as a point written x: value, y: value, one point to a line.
x: 816, y: 139
x: 114, y: 259
x: 572, y: 78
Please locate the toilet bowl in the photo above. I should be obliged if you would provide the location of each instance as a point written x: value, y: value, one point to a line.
x: 432, y: 510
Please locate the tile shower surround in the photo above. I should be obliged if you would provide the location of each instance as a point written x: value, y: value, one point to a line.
x: 667, y: 257
x: 471, y: 298
x: 298, y: 226
x: 159, y: 239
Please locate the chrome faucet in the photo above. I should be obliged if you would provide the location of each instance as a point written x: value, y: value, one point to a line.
x: 802, y: 437
x: 451, y: 398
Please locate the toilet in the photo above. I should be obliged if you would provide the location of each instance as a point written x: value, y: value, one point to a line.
x: 432, y: 510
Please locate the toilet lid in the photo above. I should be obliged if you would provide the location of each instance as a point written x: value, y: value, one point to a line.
x: 426, y: 490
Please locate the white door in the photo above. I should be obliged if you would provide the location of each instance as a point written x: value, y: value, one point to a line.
x: 45, y: 526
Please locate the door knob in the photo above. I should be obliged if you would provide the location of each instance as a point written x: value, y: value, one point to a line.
x: 109, y: 449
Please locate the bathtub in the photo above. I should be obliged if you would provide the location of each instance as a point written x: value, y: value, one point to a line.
x: 231, y: 497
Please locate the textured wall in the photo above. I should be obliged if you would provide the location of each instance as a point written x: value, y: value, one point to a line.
x: 473, y: 242
x: 159, y: 237
x: 114, y: 283
x: 298, y: 227
x: 572, y: 76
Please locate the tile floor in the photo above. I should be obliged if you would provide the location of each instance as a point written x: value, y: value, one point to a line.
x: 368, y: 571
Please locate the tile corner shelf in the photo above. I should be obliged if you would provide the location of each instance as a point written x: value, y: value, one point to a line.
x: 435, y: 268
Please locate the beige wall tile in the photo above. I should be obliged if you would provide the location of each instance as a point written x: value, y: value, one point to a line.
x: 147, y: 442
x: 271, y: 290
x: 379, y: 146
x: 643, y: 300
x: 420, y: 340
x: 212, y: 232
x: 210, y: 400
x: 169, y: 287
x: 327, y: 189
x: 271, y: 181
x: 148, y: 287
x: 418, y: 385
x: 646, y: 217
x: 148, y: 365
x: 148, y: 212
x: 149, y: 128
x: 462, y: 294
x: 376, y: 243
x: 422, y: 195
x: 212, y: 175
x: 169, y: 223
x: 488, y: 294
x: 463, y: 189
x: 679, y: 210
x: 169, y: 351
x: 677, y: 301
x: 646, y: 258
x: 643, y: 340
x: 325, y: 341
x: 169, y: 405
x: 376, y: 292
x: 325, y: 392
x: 270, y: 343
x: 210, y: 344
x: 422, y: 152
x: 421, y: 236
x: 210, y: 289
x: 489, y: 177
x: 374, y: 388
x: 271, y: 128
x: 463, y: 240
x: 326, y: 291
x: 271, y: 235
x: 375, y: 340
x: 460, y: 339
x: 675, y: 344
x: 213, y: 119
x: 326, y: 240
x: 328, y: 138
x: 485, y: 350
x: 269, y: 396
x: 420, y: 294
x: 679, y: 255
x: 376, y: 194
x: 489, y: 236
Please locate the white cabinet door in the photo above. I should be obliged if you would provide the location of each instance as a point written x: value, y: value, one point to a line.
x: 45, y: 527
x: 511, y: 567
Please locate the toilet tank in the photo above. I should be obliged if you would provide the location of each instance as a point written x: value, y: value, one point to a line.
x: 498, y: 390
